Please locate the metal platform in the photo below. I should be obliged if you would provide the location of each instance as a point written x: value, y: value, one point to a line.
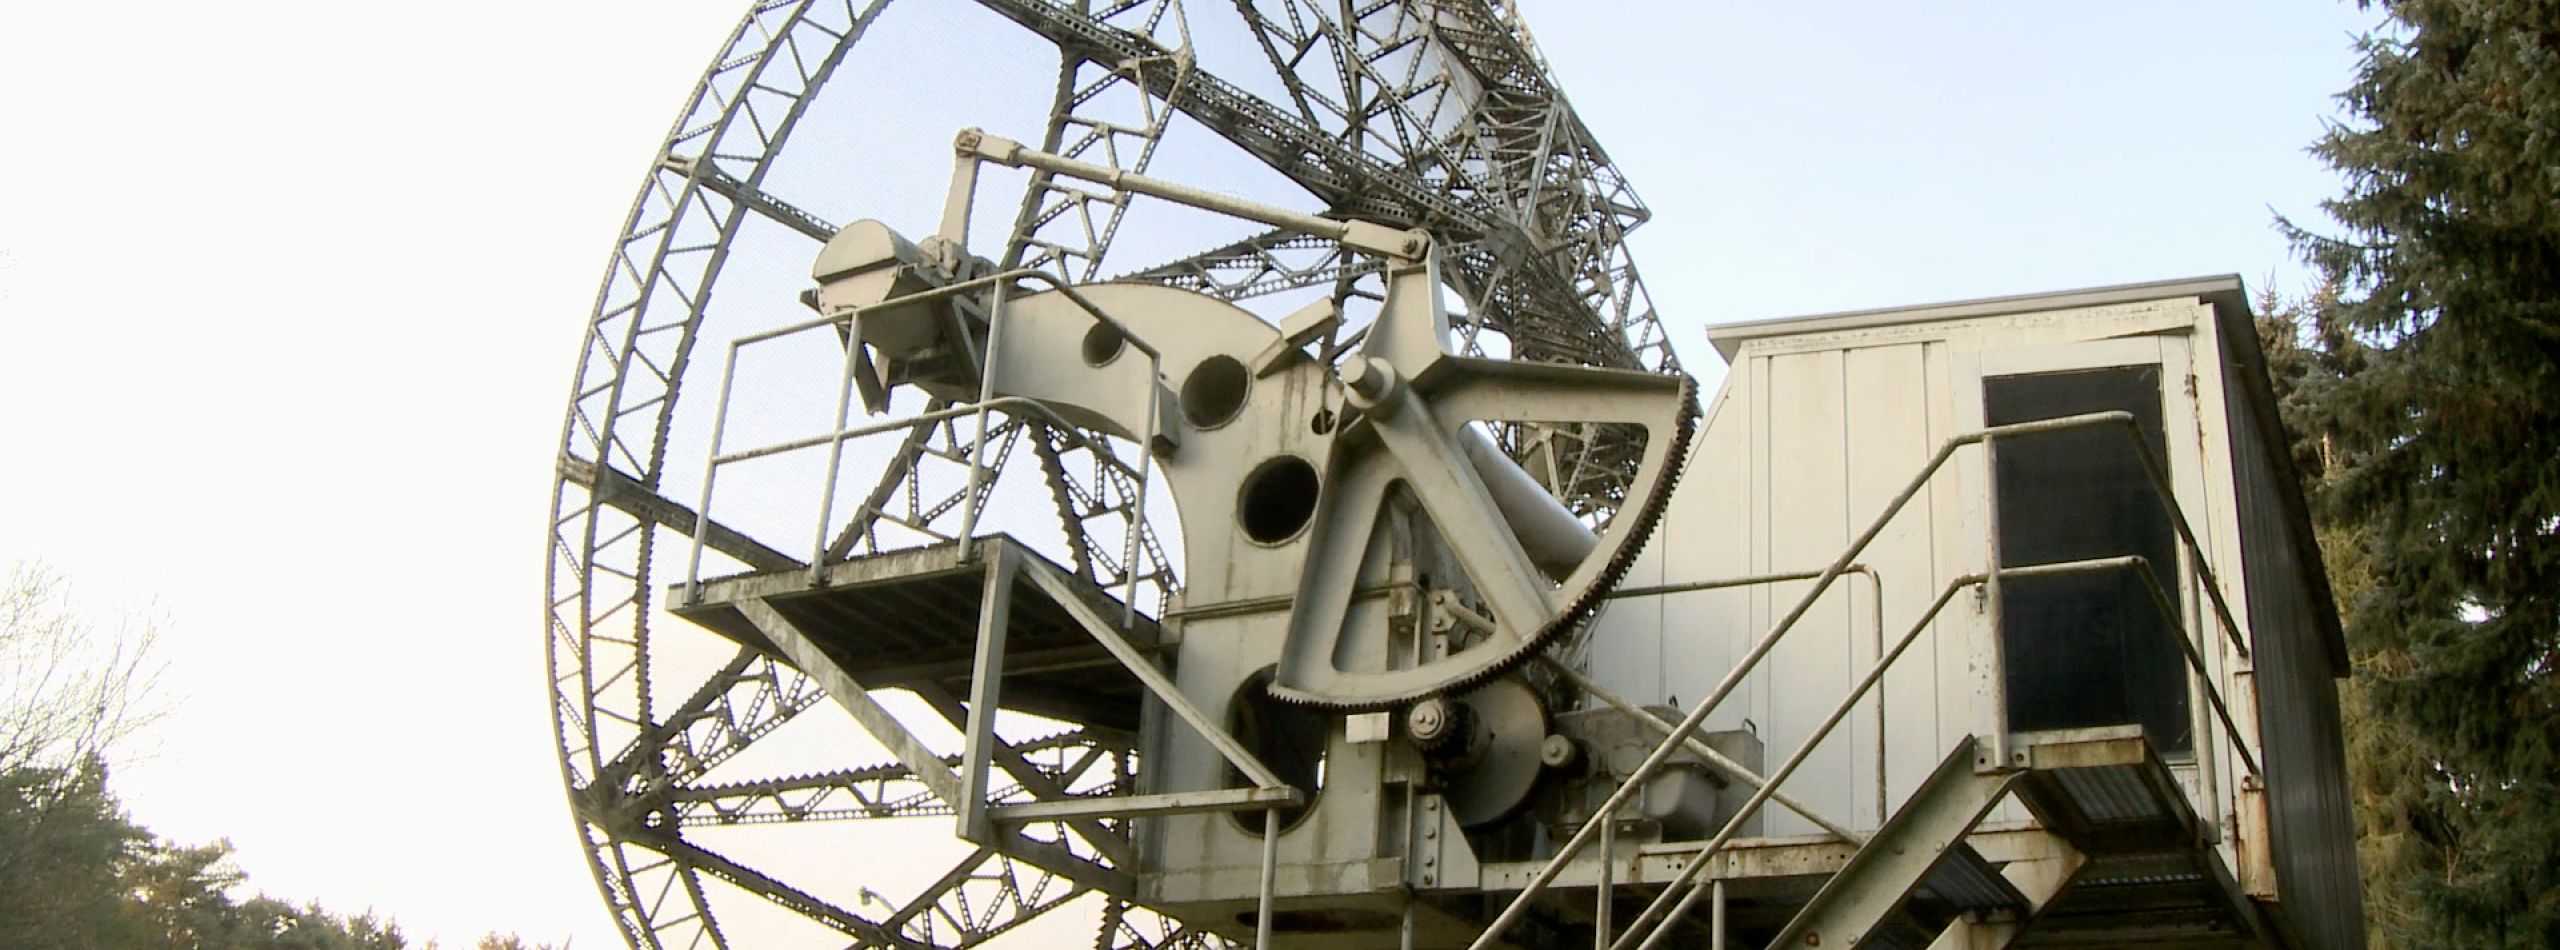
x: 2151, y: 873
x: 2115, y: 857
x: 910, y: 618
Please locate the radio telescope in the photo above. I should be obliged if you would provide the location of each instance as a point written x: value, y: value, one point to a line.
x: 1200, y: 465
x: 715, y: 783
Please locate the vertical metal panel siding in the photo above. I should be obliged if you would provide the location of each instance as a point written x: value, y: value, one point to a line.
x: 1889, y: 437
x: 2305, y: 757
x: 1708, y: 536
x: 1799, y: 452
x: 1806, y: 488
x: 1673, y: 648
x: 1949, y: 554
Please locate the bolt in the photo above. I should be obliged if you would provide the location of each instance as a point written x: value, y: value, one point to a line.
x: 1555, y: 752
x: 1430, y: 720
x: 1370, y: 380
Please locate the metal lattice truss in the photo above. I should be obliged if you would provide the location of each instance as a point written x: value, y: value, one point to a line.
x: 899, y: 498
x: 888, y: 790
x: 1437, y: 115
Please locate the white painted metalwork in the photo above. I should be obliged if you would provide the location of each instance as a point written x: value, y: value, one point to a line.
x: 1464, y: 487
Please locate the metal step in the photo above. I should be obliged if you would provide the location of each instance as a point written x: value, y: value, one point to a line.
x: 2152, y: 875
x: 1921, y: 847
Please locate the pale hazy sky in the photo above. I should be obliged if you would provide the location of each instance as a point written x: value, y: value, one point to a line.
x: 290, y: 294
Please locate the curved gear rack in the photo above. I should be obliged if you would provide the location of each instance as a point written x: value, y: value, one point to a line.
x: 1434, y: 116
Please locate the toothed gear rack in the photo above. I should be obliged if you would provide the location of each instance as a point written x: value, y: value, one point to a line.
x: 1222, y: 551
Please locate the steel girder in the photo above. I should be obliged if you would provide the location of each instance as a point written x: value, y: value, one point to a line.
x: 1442, y: 117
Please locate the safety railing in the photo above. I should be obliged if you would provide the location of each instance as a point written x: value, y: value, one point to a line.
x: 1717, y: 760
x: 1683, y: 892
x: 987, y: 402
x: 1269, y: 794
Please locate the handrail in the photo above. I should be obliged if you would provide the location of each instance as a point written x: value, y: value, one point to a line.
x: 2135, y: 563
x: 1875, y: 630
x: 986, y: 402
x: 1874, y: 674
x: 1767, y: 641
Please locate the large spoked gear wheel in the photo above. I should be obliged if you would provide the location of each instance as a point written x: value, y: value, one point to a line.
x: 1529, y: 570
x: 717, y: 785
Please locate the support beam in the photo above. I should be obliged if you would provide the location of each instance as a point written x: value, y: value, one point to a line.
x: 1145, y: 670
x: 959, y: 874
x: 695, y: 857
x: 2039, y: 881
x: 854, y: 697
x: 986, y: 681
x: 911, y: 751
x: 722, y: 183
x: 613, y: 488
x: 1169, y: 803
x: 1928, y: 828
x: 1032, y: 779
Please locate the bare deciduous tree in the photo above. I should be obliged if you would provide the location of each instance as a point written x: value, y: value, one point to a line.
x: 68, y: 689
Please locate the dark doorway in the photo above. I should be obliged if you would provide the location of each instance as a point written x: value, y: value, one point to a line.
x: 2087, y: 649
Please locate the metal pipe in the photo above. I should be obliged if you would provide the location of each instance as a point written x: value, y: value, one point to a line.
x: 1840, y: 711
x: 978, y: 438
x: 1138, y: 514
x: 1995, y: 686
x: 1760, y: 648
x: 1024, y: 402
x: 1715, y: 938
x: 1270, y: 878
x: 1601, y: 905
x: 1680, y: 912
x: 1555, y: 540
x: 1406, y: 244
x: 2195, y: 661
x: 1547, y: 875
x: 2208, y: 764
x: 835, y: 460
x: 2178, y: 519
x: 710, y: 471
x: 1875, y: 630
x: 1720, y: 583
x: 1875, y: 633
x: 1688, y: 875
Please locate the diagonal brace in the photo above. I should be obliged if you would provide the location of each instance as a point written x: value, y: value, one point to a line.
x: 1156, y: 682
x: 1876, y: 880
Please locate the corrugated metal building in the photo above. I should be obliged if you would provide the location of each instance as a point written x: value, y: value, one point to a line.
x: 1825, y: 420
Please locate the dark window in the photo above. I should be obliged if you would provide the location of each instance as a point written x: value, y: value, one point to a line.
x: 2087, y: 649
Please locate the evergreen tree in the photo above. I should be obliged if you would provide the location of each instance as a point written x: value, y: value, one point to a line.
x: 2432, y: 394
x: 62, y: 841
x: 75, y: 874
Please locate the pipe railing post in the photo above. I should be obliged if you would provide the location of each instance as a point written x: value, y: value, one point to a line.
x: 1761, y: 647
x: 978, y: 439
x: 1270, y: 882
x: 710, y: 472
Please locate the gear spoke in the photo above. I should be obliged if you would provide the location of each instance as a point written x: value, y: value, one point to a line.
x: 1437, y: 117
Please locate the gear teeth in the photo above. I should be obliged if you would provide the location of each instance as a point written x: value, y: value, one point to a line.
x: 1587, y: 602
